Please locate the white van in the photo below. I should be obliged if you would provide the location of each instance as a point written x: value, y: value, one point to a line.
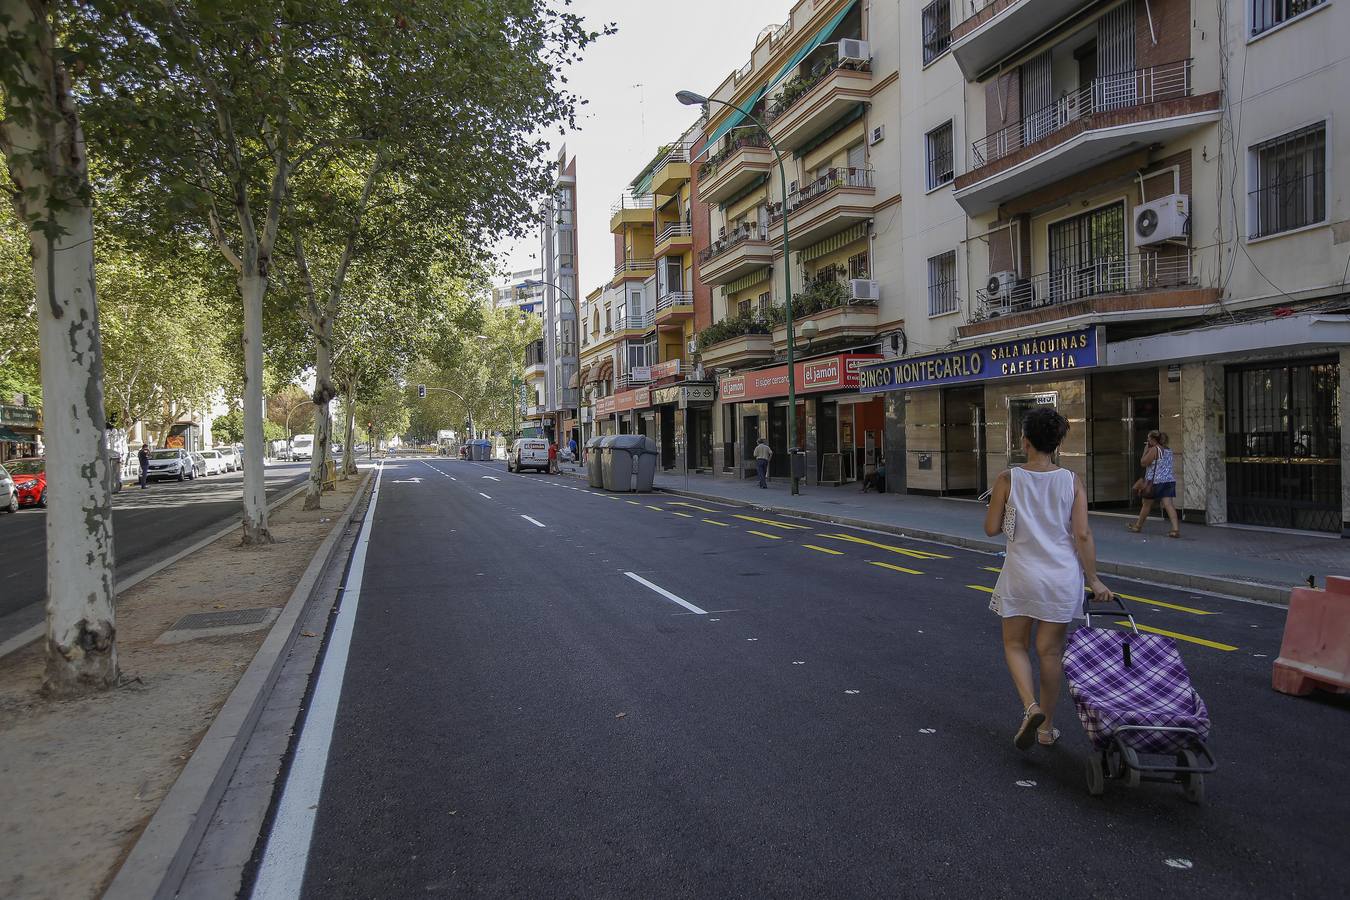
x: 528, y: 453
x: 302, y: 447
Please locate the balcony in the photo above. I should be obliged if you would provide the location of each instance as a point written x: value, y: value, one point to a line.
x: 834, y: 201
x: 742, y: 350
x: 672, y: 171
x: 635, y: 324
x: 998, y: 28
x: 535, y: 370
x: 851, y: 321
x: 632, y: 378
x: 811, y: 102
x: 674, y: 237
x: 739, y: 253
x: 633, y: 270
x: 674, y: 307
x: 630, y: 210
x: 1144, y: 281
x: 1114, y: 115
x: 735, y: 168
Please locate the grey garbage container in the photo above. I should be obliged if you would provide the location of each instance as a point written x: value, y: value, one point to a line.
x: 645, y: 465
x: 606, y: 450
x: 627, y: 452
x: 593, y: 473
x: 481, y: 449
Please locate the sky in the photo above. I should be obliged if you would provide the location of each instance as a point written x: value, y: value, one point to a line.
x: 630, y: 79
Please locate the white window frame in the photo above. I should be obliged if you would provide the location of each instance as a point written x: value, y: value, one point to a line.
x: 923, y: 46
x: 955, y: 283
x: 1253, y: 175
x: 930, y: 186
x: 1251, y: 18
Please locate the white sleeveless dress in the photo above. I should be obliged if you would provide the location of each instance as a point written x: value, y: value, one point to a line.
x: 1041, y: 575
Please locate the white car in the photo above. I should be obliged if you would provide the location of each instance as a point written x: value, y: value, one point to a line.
x: 9, y: 494
x: 302, y: 447
x: 229, y: 459
x: 173, y: 462
x: 214, y: 462
x: 528, y: 453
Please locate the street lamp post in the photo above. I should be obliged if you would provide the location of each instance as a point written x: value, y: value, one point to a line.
x: 689, y: 98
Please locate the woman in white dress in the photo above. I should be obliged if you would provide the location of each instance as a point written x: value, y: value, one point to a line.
x: 1050, y: 551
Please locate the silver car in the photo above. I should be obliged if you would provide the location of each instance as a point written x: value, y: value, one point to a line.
x: 171, y: 462
x: 9, y: 494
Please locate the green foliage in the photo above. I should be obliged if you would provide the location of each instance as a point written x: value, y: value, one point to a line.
x: 18, y: 316
x: 732, y: 327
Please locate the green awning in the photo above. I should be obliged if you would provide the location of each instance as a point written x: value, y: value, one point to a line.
x: 834, y: 242
x: 831, y: 130
x: 7, y: 434
x: 744, y: 192
x: 745, y: 281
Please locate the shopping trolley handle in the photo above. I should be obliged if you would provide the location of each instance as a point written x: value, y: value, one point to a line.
x: 1113, y: 607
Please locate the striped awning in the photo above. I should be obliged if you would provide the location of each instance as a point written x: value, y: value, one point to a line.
x: 745, y: 281
x: 834, y: 242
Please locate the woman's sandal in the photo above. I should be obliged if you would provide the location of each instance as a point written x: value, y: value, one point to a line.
x: 1176, y: 533
x: 1026, y: 735
x: 1047, y: 738
x: 1133, y: 527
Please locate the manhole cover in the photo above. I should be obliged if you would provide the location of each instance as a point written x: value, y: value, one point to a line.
x: 224, y: 619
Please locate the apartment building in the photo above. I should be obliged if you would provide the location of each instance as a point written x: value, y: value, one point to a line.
x: 524, y: 291
x: 1155, y: 239
x: 559, y: 256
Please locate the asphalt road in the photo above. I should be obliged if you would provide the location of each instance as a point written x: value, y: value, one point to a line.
x: 520, y: 717
x: 148, y: 525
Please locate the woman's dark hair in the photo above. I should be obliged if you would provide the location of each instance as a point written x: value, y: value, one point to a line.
x: 1044, y: 428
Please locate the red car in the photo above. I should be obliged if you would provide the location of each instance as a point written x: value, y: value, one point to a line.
x: 30, y: 480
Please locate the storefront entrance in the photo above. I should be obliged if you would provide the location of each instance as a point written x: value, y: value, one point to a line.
x: 965, y: 471
x: 1284, y: 446
x: 700, y: 437
x: 667, y: 414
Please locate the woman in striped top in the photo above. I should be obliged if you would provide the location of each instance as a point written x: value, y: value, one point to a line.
x: 1157, y: 461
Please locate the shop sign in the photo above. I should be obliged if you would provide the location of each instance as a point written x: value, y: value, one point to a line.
x: 667, y: 369
x: 23, y: 416
x: 842, y: 371
x: 640, y: 373
x: 684, y: 394
x: 634, y: 399
x: 604, y: 405
x: 1052, y: 354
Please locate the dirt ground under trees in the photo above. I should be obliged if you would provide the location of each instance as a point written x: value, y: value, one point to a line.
x: 79, y: 780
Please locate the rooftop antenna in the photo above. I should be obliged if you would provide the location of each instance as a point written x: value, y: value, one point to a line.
x: 642, y: 110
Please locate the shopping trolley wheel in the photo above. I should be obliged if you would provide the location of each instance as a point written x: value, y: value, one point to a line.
x: 1192, y: 783
x: 1096, y: 773
x: 1130, y: 762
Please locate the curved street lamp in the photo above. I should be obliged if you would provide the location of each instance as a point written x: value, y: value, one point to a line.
x: 689, y: 98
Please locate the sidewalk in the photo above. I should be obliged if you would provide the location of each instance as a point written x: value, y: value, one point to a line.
x: 1259, y: 564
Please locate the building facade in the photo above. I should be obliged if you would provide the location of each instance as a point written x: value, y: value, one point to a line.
x: 524, y: 291
x: 559, y: 256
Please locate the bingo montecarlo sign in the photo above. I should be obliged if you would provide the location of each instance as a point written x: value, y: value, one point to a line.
x: 1030, y: 357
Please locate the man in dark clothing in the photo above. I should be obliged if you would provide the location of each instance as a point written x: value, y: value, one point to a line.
x: 143, y: 457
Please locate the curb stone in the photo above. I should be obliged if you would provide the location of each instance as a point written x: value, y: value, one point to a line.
x: 160, y: 858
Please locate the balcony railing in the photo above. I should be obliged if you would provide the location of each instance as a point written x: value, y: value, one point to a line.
x: 1137, y: 87
x: 674, y: 298
x: 631, y: 201
x: 799, y: 87
x: 674, y: 230
x: 832, y: 180
x: 731, y: 240
x: 635, y: 320
x: 678, y: 153
x: 754, y: 138
x: 1144, y: 270
x: 634, y: 265
x: 628, y: 379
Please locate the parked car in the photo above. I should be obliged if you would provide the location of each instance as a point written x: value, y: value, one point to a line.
x: 528, y: 453
x: 198, y: 462
x: 230, y: 459
x: 302, y: 447
x: 9, y: 494
x: 213, y: 462
x: 172, y: 462
x: 30, y: 480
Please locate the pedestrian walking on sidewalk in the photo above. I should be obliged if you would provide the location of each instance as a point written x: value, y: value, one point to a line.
x: 1159, y: 483
x: 572, y: 449
x: 763, y: 452
x: 143, y: 459
x: 553, y: 457
x: 1043, y: 511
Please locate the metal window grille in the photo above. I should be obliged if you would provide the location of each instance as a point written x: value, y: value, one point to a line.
x: 743, y: 308
x: 942, y: 283
x: 937, y: 29
x: 858, y: 266
x: 940, y: 157
x: 1266, y: 14
x: 1291, y: 181
x: 1087, y: 254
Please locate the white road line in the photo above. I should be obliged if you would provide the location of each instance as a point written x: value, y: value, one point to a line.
x: 492, y: 478
x: 481, y: 494
x: 533, y: 521
x: 665, y: 593
x: 282, y: 872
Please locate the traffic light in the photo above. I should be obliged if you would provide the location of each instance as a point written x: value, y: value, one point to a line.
x: 421, y: 392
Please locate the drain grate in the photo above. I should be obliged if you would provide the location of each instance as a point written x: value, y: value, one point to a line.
x: 225, y: 619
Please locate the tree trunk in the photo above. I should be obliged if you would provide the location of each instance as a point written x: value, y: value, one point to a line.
x: 349, y: 436
x: 44, y: 147
x: 323, y: 411
x: 252, y: 286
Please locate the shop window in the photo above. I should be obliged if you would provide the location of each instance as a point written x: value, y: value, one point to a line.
x: 1266, y: 14
x: 937, y: 29
x: 942, y: 297
x: 859, y: 266
x: 941, y: 166
x: 1291, y: 182
x: 1018, y: 407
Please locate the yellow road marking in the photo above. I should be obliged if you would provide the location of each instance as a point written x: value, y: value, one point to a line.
x: 772, y: 537
x: 1189, y: 609
x: 767, y: 521
x: 674, y: 513
x: 657, y: 508
x: 634, y: 502
x: 980, y: 587
x: 693, y: 506
x: 991, y: 568
x: 917, y: 554
x: 1180, y: 637
x: 895, y: 568
x: 823, y: 549
x: 718, y: 524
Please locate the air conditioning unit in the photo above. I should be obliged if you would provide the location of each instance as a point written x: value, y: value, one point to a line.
x: 999, y: 288
x: 853, y: 50
x: 1160, y: 221
x: 864, y: 289
x: 878, y: 135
